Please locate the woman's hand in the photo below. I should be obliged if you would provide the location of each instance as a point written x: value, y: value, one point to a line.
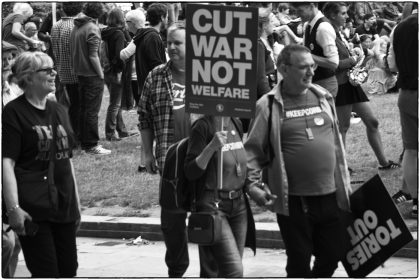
x: 219, y: 139
x: 262, y: 196
x: 17, y: 220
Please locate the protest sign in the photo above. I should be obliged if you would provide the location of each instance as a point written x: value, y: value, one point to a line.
x: 375, y: 229
x: 221, y: 60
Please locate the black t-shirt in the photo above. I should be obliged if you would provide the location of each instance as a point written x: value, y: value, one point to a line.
x: 362, y: 30
x: 27, y: 137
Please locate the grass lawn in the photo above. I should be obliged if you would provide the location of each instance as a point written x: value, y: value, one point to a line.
x: 111, y: 185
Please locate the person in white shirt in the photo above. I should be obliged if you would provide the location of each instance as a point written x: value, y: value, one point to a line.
x: 319, y: 37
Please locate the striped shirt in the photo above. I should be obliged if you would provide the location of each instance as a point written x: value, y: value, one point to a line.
x: 60, y: 38
x: 155, y: 109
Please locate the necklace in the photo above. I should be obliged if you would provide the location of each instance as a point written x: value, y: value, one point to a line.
x: 308, y: 130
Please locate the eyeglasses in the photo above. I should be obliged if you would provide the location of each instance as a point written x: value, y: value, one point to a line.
x: 48, y: 70
x: 127, y: 21
x: 305, y: 67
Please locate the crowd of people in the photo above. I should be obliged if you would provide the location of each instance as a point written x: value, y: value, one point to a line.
x: 325, y: 58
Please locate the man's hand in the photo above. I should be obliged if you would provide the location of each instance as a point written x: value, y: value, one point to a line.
x: 150, y: 163
x: 262, y: 197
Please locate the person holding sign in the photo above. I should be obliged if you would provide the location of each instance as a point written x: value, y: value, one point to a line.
x: 231, y: 203
x: 296, y: 123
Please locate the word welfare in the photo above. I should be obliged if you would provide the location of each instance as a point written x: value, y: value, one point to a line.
x: 238, y: 57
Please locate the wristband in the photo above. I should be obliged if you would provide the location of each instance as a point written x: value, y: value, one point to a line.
x: 12, y: 209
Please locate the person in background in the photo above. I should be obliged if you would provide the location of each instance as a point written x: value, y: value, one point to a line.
x: 201, y: 163
x: 305, y: 194
x: 84, y: 48
x: 368, y: 27
x: 9, y: 92
x: 115, y: 37
x: 31, y: 32
x: 30, y: 123
x: 10, y: 242
x: 45, y: 30
x: 352, y: 98
x: 319, y: 37
x: 283, y: 14
x: 60, y: 45
x: 403, y: 57
x: 12, y: 28
x: 150, y: 49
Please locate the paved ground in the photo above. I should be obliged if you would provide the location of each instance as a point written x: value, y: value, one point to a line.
x: 99, y: 257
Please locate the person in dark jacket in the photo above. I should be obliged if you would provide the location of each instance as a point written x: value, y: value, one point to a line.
x: 115, y: 38
x: 150, y: 49
x: 84, y: 49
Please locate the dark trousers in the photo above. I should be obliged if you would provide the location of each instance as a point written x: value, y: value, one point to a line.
x: 114, y: 120
x: 91, y: 90
x: 74, y: 108
x: 51, y: 253
x: 176, y: 242
x: 313, y: 227
x: 136, y: 95
x: 175, y: 236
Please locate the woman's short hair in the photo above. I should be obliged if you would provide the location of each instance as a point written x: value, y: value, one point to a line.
x: 286, y: 54
x: 23, y: 9
x: 94, y: 9
x: 28, y: 63
x: 116, y: 18
x: 332, y: 8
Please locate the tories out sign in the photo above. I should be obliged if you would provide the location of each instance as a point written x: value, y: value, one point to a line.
x: 221, y: 60
x: 375, y: 230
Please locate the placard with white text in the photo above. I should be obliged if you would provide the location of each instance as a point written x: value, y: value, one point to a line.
x: 221, y: 60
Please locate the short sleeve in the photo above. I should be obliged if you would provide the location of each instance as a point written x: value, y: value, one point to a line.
x: 12, y: 134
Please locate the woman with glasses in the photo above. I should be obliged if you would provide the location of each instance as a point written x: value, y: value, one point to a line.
x: 352, y: 98
x: 37, y: 147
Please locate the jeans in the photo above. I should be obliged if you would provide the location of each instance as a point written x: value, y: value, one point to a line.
x: 114, y: 120
x: 51, y: 253
x: 91, y: 90
x: 74, y: 108
x: 313, y: 227
x: 228, y: 251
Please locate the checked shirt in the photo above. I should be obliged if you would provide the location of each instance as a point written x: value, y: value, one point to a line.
x: 155, y: 109
x: 60, y: 40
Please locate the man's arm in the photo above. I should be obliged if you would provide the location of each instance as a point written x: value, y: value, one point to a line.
x: 93, y: 42
x: 147, y: 138
x: 325, y: 37
x: 146, y: 125
x: 391, y: 54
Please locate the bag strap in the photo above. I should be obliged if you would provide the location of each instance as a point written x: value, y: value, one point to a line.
x: 270, y: 117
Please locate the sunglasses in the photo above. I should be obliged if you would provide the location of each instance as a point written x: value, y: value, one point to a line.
x: 48, y: 70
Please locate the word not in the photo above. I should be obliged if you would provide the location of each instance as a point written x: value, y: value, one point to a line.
x: 369, y: 237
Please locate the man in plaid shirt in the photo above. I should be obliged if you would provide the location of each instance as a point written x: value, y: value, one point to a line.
x: 162, y: 117
x: 60, y: 39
